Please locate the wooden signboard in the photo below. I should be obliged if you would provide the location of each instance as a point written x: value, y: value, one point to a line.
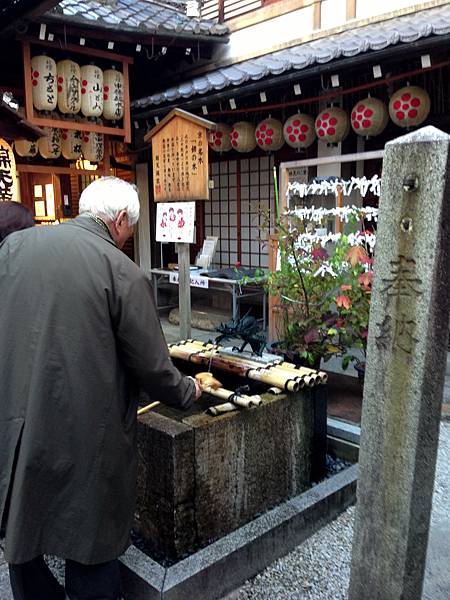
x: 180, y: 157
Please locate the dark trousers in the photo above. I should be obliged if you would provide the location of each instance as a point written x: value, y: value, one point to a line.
x: 33, y: 580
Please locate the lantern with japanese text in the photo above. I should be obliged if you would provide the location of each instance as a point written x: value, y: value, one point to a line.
x: 92, y: 146
x: 25, y: 148
x: 71, y: 143
x: 113, y: 94
x: 242, y: 136
x: 69, y: 86
x: 369, y: 117
x: 332, y: 125
x: 50, y: 144
x: 219, y: 137
x: 298, y: 131
x: 269, y: 134
x: 43, y: 81
x: 409, y: 106
x: 8, y: 180
x: 91, y: 91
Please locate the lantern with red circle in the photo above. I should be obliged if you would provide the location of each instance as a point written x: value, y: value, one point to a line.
x: 298, y: 131
x: 25, y: 148
x: 50, y: 145
x: 113, y: 102
x: 219, y: 138
x: 369, y: 117
x: 93, y: 146
x: 242, y: 136
x: 71, y: 143
x: 332, y: 125
x: 409, y: 106
x: 91, y: 91
x: 269, y: 134
x: 43, y: 81
x: 69, y: 87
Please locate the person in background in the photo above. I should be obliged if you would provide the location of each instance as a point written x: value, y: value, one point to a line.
x: 14, y: 217
x: 79, y: 336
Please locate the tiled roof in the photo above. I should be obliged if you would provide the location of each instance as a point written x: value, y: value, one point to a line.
x: 378, y: 36
x: 147, y: 16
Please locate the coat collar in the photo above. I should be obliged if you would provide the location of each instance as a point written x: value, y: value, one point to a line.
x: 86, y: 222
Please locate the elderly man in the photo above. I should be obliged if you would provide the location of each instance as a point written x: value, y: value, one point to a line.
x: 79, y: 335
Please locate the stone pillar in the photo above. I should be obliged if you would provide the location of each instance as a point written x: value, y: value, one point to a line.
x: 405, y: 370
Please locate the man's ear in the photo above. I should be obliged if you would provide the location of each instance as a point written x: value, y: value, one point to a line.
x: 120, y: 219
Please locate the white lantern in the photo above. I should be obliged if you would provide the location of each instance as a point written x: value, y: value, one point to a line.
x: 409, y: 106
x: 69, y: 87
x: 219, y: 138
x: 332, y: 125
x: 71, y: 143
x: 269, y: 134
x: 43, y: 81
x: 50, y: 145
x: 25, y: 148
x: 93, y: 146
x: 299, y: 131
x: 8, y: 178
x: 113, y: 102
x: 242, y: 136
x: 91, y: 91
x: 369, y: 117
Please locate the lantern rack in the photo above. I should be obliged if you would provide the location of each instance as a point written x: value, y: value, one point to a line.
x: 32, y: 117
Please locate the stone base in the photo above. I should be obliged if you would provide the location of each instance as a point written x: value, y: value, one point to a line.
x: 221, y: 567
x: 201, y: 477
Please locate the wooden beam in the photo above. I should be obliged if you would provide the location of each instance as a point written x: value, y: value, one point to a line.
x: 83, y: 126
x: 317, y: 15
x: 311, y: 162
x: 78, y: 50
x: 27, y: 168
x: 350, y: 12
x: 126, y: 104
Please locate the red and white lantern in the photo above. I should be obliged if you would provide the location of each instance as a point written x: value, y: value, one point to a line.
x: 409, y: 106
x: 93, y: 146
x: 71, y: 143
x: 269, y: 134
x: 113, y: 95
x: 91, y: 91
x: 50, y: 145
x: 43, y: 81
x: 369, y: 117
x: 298, y: 131
x: 25, y: 148
x: 69, y: 87
x: 242, y: 136
x: 219, y: 138
x: 332, y: 125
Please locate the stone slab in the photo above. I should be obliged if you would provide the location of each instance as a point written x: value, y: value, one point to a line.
x: 225, y: 564
x: 437, y: 573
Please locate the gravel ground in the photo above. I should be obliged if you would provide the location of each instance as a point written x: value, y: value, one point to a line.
x: 319, y: 569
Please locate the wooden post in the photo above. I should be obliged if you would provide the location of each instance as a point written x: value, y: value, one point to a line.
x: 407, y: 354
x: 184, y: 291
x: 339, y: 204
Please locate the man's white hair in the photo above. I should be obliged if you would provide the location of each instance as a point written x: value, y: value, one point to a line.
x: 107, y: 196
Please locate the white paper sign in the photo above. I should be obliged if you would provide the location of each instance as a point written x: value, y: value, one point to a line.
x: 175, y: 222
x: 195, y: 280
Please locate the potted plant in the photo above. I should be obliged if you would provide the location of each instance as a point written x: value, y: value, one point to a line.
x: 322, y: 286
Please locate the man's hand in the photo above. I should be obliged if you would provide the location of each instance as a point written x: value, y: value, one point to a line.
x: 198, y: 388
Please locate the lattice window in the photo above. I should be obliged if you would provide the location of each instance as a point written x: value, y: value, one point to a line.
x: 243, y: 190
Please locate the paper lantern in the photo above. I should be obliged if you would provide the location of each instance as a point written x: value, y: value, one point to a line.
x: 219, y: 138
x: 69, y: 87
x: 332, y: 125
x: 298, y: 131
x: 91, y: 91
x: 242, y: 136
x: 269, y: 134
x: 369, y: 117
x: 43, y: 81
x: 50, y: 144
x: 8, y: 179
x: 409, y: 106
x: 71, y: 143
x: 25, y: 148
x: 113, y: 95
x: 93, y: 146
